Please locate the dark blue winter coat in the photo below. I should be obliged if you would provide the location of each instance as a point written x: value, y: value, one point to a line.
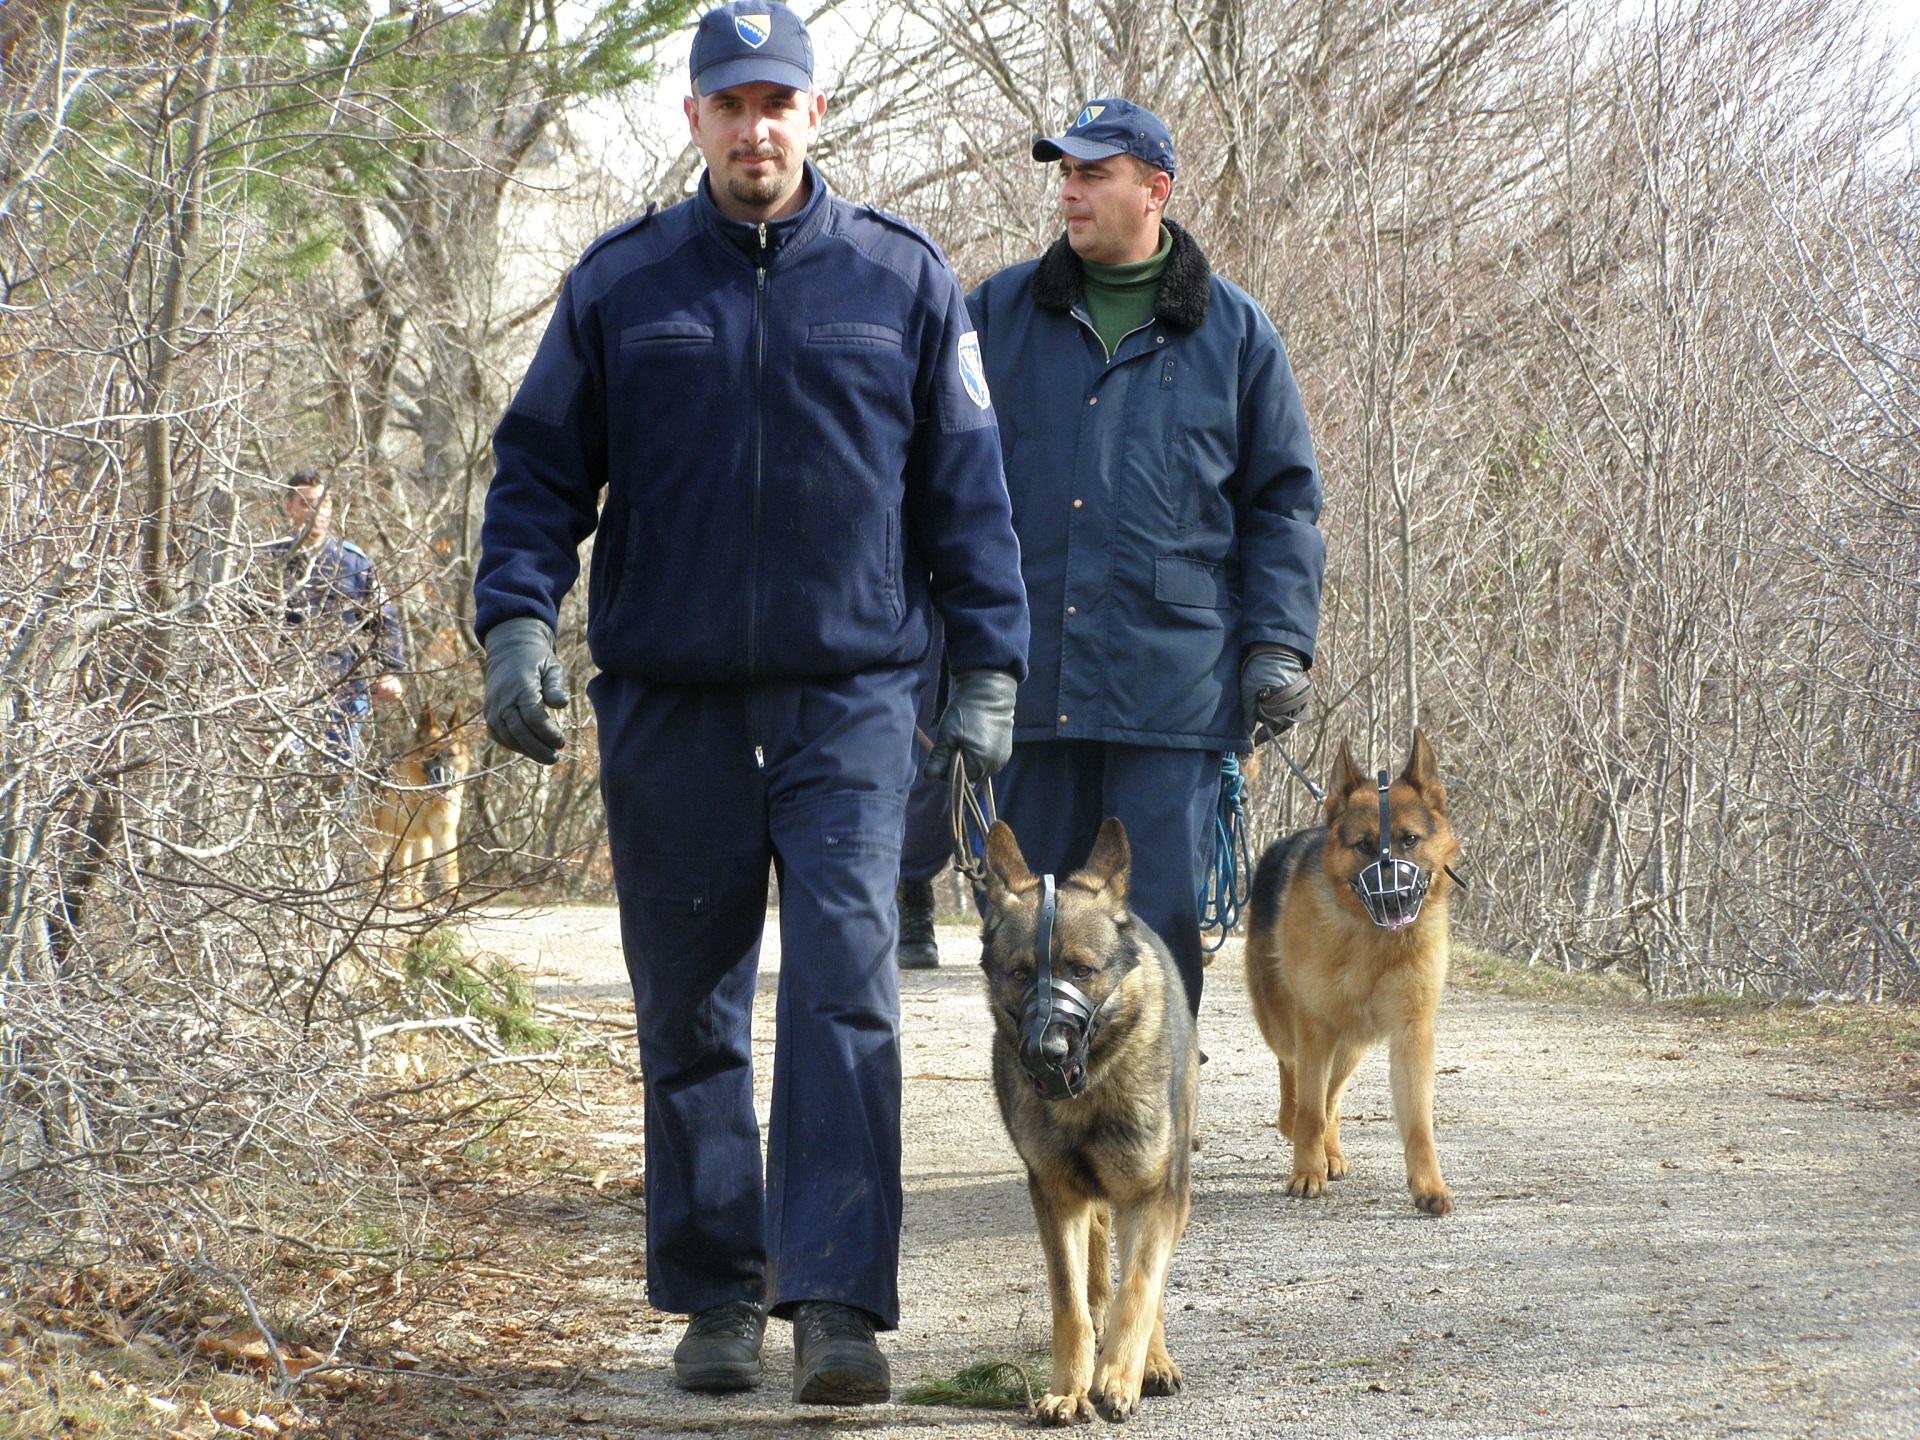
x: 1166, y: 500
x: 796, y: 446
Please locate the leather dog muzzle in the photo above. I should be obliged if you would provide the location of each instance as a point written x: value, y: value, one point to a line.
x: 1057, y: 1021
x: 1391, y: 890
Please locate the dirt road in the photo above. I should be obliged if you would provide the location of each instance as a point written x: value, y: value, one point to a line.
x: 1656, y: 1235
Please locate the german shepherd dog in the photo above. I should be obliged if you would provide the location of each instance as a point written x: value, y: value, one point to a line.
x: 1348, y: 943
x: 416, y: 817
x: 1096, y: 1070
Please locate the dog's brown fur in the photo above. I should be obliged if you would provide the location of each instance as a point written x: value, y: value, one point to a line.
x: 416, y: 819
x: 1326, y: 982
x: 1125, y: 1142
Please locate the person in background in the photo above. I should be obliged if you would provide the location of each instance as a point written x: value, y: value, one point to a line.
x: 330, y: 589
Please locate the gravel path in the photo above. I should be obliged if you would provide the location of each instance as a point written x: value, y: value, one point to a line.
x: 1656, y: 1235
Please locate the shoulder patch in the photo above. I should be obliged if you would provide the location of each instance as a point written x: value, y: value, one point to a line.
x: 973, y: 371
x: 625, y: 228
x: 907, y: 227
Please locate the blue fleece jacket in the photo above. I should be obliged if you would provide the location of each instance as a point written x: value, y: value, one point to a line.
x: 792, y: 431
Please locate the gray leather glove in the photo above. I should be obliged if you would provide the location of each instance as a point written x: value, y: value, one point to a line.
x: 1274, y: 691
x: 978, y: 722
x: 525, y: 679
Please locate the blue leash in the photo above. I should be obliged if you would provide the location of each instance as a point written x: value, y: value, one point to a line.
x: 1224, y: 890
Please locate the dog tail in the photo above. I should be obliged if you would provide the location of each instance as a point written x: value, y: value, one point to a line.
x: 1284, y: 859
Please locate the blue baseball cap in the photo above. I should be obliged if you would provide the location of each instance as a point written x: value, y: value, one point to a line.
x: 747, y: 41
x: 1105, y: 128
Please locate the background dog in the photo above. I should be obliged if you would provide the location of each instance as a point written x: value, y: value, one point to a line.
x: 1328, y: 979
x: 1123, y: 1137
x: 417, y: 814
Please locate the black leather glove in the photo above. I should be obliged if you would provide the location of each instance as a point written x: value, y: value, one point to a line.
x: 1274, y: 691
x: 978, y: 722
x: 525, y: 679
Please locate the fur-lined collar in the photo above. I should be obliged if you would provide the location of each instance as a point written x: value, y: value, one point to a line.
x: 1059, y: 284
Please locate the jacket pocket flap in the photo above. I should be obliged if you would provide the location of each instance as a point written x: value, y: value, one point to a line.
x: 668, y: 332
x: 1180, y: 581
x: 854, y: 332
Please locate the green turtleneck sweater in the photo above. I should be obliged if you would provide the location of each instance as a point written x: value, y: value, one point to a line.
x: 1120, y: 297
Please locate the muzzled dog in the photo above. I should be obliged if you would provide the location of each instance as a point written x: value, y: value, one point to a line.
x: 417, y: 815
x: 1347, y: 945
x: 1096, y: 1071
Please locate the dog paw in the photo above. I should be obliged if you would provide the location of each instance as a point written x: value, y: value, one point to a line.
x: 1162, y: 1376
x: 1437, y: 1201
x: 1051, y: 1409
x: 1336, y: 1165
x: 1307, y: 1184
x: 1117, y: 1406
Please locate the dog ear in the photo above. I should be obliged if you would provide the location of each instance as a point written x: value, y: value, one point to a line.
x: 1423, y: 774
x: 1007, y: 872
x: 1107, y: 869
x: 453, y: 716
x: 1346, y: 779
x: 425, y: 727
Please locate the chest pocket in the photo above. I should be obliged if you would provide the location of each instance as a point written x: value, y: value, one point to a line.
x: 666, y: 335
x: 668, y: 366
x: 854, y: 335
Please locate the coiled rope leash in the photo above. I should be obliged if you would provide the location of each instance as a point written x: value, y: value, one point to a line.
x: 1223, y: 891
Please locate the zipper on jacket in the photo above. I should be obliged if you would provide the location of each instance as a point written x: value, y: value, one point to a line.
x: 759, y: 446
x: 1116, y: 344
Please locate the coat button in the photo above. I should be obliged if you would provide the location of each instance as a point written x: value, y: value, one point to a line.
x: 1159, y: 339
x: 1072, y: 611
x: 1093, y: 399
x: 1063, y: 719
x: 1078, y: 503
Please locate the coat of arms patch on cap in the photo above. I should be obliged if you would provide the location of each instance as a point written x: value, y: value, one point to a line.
x: 1087, y: 115
x: 754, y: 29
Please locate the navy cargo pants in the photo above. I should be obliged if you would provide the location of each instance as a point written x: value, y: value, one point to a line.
x: 929, y: 835
x: 704, y: 786
x: 1055, y: 793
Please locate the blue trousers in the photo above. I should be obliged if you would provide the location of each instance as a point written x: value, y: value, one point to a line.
x: 1055, y: 793
x: 704, y: 787
x: 929, y: 838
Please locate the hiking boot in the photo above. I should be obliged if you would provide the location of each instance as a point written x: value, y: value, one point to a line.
x: 914, y: 900
x: 721, y: 1349
x: 835, y: 1360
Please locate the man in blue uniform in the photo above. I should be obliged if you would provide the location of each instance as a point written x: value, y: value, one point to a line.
x: 330, y: 588
x: 1166, y: 499
x: 767, y: 405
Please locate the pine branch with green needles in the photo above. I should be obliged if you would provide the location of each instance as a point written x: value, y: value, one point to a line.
x: 988, y: 1385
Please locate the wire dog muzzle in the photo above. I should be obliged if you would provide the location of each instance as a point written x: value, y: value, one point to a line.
x: 1057, y: 1021
x: 1392, y: 890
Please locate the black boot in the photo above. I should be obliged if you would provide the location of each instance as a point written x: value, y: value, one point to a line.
x: 914, y: 899
x: 835, y: 1359
x: 721, y: 1349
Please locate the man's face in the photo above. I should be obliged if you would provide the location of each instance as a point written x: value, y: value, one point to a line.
x: 310, y: 509
x: 1112, y: 211
x: 754, y: 138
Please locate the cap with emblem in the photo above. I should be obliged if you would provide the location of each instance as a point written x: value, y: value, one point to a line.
x: 1105, y: 128
x: 749, y: 41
